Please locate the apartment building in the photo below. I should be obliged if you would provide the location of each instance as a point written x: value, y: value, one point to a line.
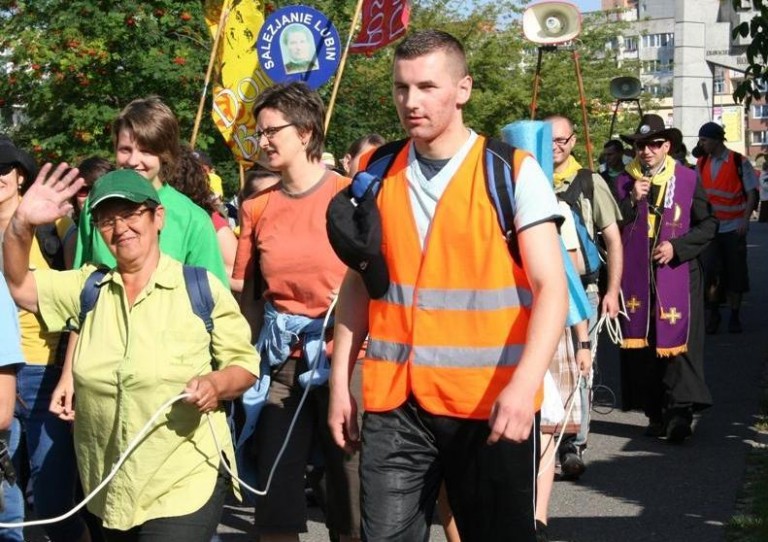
x: 690, y: 64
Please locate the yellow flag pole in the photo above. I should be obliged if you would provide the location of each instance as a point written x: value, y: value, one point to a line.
x: 214, y: 50
x: 337, y: 81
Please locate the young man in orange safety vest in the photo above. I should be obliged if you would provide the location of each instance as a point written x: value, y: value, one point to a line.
x: 459, y: 343
x: 730, y: 183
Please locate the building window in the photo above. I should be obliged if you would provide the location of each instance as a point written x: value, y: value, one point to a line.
x: 659, y: 91
x: 651, y: 66
x: 760, y: 138
x: 760, y: 111
x: 659, y: 40
x: 630, y: 44
x: 718, y: 83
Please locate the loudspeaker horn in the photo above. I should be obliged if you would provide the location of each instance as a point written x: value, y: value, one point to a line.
x: 626, y: 88
x: 551, y: 23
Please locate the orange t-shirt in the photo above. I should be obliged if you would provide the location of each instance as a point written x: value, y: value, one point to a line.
x: 290, y: 244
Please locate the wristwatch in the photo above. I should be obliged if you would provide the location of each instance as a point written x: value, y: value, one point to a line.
x: 583, y: 345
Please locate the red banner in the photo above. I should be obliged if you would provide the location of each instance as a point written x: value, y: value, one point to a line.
x: 384, y: 21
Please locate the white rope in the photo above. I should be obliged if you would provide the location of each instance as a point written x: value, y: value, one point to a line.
x: 151, y: 424
x: 570, y: 403
x: 119, y: 463
x: 612, y: 327
x: 264, y: 491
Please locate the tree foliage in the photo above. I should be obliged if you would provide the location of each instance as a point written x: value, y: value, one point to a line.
x: 756, y: 74
x: 71, y: 65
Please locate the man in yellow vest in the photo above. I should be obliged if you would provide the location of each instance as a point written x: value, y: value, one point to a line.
x: 730, y: 183
x: 460, y: 340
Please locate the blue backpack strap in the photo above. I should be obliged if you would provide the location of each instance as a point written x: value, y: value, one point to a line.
x: 383, y: 158
x: 88, y: 297
x: 500, y: 181
x: 199, y: 292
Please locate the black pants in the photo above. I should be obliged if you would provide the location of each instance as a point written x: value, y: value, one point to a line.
x: 199, y: 526
x: 408, y: 452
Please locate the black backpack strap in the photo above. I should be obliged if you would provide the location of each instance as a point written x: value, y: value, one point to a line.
x: 88, y: 297
x: 739, y: 159
x: 583, y: 183
x: 50, y: 245
x: 498, y: 166
x: 382, y: 158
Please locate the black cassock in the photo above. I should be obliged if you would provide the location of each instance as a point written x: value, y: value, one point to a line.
x: 653, y: 383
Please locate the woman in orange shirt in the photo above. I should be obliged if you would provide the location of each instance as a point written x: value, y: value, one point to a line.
x: 291, y: 274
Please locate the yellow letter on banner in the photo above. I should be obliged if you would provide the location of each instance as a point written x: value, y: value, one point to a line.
x: 239, y: 78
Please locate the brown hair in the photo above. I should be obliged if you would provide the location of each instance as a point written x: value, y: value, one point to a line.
x: 155, y: 129
x: 429, y: 41
x: 94, y: 167
x: 191, y: 179
x: 302, y: 107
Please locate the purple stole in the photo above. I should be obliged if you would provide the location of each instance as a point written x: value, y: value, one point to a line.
x: 672, y: 307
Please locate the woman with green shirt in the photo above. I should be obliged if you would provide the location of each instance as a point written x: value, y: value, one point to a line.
x: 140, y: 346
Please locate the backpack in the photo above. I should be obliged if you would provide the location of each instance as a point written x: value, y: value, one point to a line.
x: 52, y: 249
x: 583, y: 184
x: 50, y: 245
x: 195, y: 280
x: 499, y: 176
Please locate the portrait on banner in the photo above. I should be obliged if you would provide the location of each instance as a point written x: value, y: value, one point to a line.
x: 298, y: 49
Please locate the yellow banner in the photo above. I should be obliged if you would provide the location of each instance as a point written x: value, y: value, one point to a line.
x: 238, y: 79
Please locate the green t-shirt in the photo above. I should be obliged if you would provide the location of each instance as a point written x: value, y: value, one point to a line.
x: 188, y: 236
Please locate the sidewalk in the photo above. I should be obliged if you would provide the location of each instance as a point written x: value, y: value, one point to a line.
x: 641, y: 489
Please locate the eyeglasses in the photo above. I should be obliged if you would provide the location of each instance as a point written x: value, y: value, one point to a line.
x: 5, y: 169
x: 130, y: 219
x: 653, y: 145
x: 83, y: 191
x: 563, y: 140
x: 270, y: 132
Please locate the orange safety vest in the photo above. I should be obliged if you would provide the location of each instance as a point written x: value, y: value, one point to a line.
x: 726, y: 191
x: 451, y: 327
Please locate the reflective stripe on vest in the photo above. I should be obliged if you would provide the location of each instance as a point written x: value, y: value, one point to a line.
x: 451, y: 328
x: 445, y: 356
x: 441, y: 299
x: 725, y: 192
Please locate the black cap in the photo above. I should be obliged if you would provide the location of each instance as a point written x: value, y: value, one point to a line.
x: 10, y: 154
x: 354, y: 231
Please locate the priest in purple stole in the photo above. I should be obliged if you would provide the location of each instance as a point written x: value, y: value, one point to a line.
x: 667, y: 223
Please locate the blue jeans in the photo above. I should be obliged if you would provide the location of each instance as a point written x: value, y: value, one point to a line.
x: 586, y: 384
x: 12, y: 495
x: 52, y: 466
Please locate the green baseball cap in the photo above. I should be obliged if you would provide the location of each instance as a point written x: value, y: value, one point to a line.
x: 122, y: 184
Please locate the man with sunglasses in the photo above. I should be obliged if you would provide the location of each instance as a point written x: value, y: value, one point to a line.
x: 667, y: 222
x: 601, y: 215
x: 730, y: 183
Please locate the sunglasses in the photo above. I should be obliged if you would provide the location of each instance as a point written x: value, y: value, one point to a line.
x: 653, y: 145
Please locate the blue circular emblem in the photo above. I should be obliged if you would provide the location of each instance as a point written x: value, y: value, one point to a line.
x: 299, y: 43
